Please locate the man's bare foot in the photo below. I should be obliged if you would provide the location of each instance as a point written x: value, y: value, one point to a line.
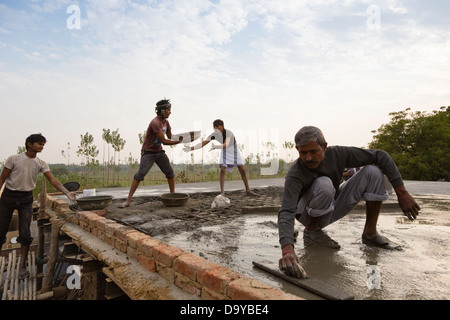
x: 124, y: 205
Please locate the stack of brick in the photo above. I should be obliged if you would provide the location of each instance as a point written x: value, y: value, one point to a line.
x: 194, y: 274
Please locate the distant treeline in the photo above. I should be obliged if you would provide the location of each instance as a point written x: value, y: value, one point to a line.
x: 419, y: 143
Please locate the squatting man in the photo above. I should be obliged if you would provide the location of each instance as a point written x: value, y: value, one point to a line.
x: 315, y: 197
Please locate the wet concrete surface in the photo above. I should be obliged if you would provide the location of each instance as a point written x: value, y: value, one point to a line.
x: 421, y: 270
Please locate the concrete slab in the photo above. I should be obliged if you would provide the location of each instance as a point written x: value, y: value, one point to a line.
x: 414, y: 187
x: 254, y: 237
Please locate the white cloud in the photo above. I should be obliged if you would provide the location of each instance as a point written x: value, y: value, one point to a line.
x: 279, y: 64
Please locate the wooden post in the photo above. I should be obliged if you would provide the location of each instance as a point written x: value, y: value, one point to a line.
x: 41, y: 236
x: 8, y: 275
x: 53, y: 255
x: 33, y: 275
x: 42, y: 199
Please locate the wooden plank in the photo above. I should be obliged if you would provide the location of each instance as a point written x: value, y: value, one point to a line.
x: 312, y: 285
x: 110, y: 275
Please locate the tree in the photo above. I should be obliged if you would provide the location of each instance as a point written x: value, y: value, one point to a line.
x: 142, y: 137
x: 21, y: 149
x: 66, y: 155
x: 88, y: 151
x: 117, y: 143
x: 106, y: 136
x: 289, y: 145
x: 419, y: 143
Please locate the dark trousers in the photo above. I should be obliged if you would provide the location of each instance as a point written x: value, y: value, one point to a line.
x: 22, y: 201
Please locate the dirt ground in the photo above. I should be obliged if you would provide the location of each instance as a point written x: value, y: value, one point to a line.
x: 237, y: 235
x: 149, y: 215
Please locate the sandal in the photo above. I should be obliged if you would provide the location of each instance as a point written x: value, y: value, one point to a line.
x: 379, y: 241
x: 319, y: 238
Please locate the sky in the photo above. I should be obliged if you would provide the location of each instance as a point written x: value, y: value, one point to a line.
x: 266, y: 68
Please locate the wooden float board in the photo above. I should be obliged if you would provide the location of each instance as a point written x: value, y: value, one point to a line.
x: 312, y: 285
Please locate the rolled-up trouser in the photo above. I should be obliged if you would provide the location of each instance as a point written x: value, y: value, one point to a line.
x: 321, y: 200
x: 23, y: 203
x: 147, y: 161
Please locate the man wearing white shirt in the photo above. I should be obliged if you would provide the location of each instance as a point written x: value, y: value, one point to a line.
x: 19, y: 180
x: 230, y: 156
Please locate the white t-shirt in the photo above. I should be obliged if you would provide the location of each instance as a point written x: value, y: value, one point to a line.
x: 24, y: 171
x: 231, y: 157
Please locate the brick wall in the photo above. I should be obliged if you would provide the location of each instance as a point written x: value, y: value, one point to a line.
x: 194, y: 274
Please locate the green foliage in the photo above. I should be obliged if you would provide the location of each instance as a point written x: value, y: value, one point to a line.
x: 72, y: 176
x: 419, y: 143
x: 87, y: 150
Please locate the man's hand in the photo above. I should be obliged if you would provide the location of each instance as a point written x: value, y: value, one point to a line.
x: 214, y: 147
x: 407, y: 203
x: 290, y: 264
x: 72, y: 197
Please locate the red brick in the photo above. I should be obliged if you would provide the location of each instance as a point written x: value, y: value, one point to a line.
x: 132, y: 253
x: 121, y: 232
x: 86, y: 215
x: 101, y: 234
x: 93, y: 220
x: 165, y: 272
x: 83, y: 224
x: 166, y: 254
x: 71, y: 217
x: 134, y: 237
x: 145, y: 246
x: 120, y: 245
x: 109, y: 239
x: 218, y: 278
x: 147, y: 263
x: 189, y: 265
x: 94, y: 231
x: 100, y: 212
x: 60, y: 204
x: 102, y: 223
x: 112, y: 227
x: 187, y: 284
x: 250, y: 289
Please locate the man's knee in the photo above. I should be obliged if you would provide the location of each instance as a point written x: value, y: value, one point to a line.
x: 373, y: 172
x: 322, y: 200
x: 170, y: 175
x: 370, y: 184
x: 323, y: 188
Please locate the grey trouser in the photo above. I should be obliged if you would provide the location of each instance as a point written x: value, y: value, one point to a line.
x: 147, y: 161
x: 322, y: 201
